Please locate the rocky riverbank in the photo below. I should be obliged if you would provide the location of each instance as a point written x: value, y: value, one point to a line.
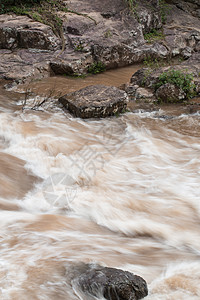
x: 99, y: 36
x: 109, y: 33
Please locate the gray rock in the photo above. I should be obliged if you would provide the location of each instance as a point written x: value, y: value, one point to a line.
x: 143, y: 93
x: 170, y: 93
x: 197, y: 48
x: 187, y: 52
x: 24, y: 64
x: 113, y: 284
x: 181, y: 28
x: 149, y: 18
x: 96, y: 101
x: 146, y: 77
x: 71, y: 63
x: 22, y: 32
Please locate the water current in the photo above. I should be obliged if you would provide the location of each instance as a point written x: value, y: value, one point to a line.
x: 122, y: 192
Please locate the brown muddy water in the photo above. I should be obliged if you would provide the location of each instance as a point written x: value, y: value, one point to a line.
x: 123, y: 192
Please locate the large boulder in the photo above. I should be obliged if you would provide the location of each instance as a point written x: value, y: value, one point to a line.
x: 95, y: 101
x: 112, y: 284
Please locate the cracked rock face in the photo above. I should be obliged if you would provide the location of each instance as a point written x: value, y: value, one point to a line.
x: 112, y: 284
x: 96, y: 101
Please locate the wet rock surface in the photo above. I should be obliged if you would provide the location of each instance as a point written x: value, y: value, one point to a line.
x: 112, y: 284
x: 96, y: 101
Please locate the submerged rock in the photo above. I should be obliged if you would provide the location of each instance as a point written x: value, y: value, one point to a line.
x: 95, y: 101
x: 112, y: 284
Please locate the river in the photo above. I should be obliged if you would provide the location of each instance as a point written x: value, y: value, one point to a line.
x: 122, y: 192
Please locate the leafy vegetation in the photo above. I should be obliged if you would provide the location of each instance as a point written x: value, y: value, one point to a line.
x: 6, y: 5
x: 153, y: 36
x: 131, y: 4
x: 182, y: 80
x: 154, y: 63
x: 108, y: 34
x: 96, y: 67
x: 79, y: 47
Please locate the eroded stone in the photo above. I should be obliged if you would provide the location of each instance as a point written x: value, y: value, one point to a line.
x: 96, y: 101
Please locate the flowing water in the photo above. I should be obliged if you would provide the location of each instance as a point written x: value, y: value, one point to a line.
x: 122, y: 192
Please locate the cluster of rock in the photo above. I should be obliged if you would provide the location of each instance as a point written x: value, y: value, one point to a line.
x: 103, y: 31
x: 143, y: 82
x: 108, y: 32
x: 100, y: 101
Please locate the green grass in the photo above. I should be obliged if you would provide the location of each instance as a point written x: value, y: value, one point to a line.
x: 96, y: 68
x: 182, y: 80
x: 154, y: 35
x: 154, y: 63
x: 164, y: 10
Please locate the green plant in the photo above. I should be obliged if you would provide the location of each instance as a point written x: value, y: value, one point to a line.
x: 35, y: 16
x: 164, y: 10
x: 156, y: 63
x: 182, y: 80
x: 10, y: 5
x: 132, y: 5
x: 154, y: 35
x: 96, y: 67
x: 147, y: 73
x: 79, y: 46
x: 107, y: 34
